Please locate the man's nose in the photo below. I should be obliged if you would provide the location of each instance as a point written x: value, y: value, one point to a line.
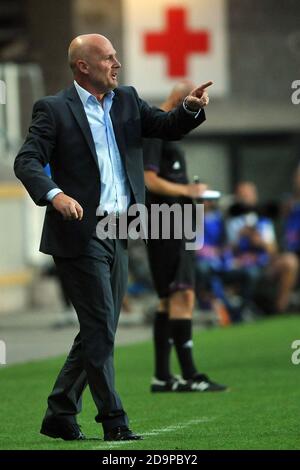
x: 117, y: 64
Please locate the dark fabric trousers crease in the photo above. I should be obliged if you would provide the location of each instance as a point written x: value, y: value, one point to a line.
x: 96, y: 283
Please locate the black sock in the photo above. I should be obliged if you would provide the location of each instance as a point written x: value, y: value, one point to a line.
x: 162, y: 345
x: 181, y: 333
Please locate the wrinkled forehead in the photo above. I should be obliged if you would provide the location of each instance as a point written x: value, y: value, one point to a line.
x: 102, y: 47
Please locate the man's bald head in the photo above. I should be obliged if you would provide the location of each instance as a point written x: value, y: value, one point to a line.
x: 83, y: 47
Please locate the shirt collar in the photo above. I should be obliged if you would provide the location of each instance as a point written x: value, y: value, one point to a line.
x: 84, y: 95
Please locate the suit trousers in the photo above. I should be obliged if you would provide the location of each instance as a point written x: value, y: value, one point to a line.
x: 95, y: 283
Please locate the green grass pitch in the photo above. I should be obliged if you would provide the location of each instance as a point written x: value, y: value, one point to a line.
x: 261, y: 410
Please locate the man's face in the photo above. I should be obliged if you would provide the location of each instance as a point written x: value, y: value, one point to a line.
x: 103, y: 66
x: 247, y: 194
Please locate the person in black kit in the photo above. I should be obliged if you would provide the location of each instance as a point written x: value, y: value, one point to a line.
x: 172, y: 265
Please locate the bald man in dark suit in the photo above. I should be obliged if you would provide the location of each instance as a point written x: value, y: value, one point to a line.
x: 91, y: 135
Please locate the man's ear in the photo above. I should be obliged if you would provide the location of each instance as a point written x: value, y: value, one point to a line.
x: 82, y: 66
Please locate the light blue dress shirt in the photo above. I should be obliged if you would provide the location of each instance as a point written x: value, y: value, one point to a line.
x: 115, y: 189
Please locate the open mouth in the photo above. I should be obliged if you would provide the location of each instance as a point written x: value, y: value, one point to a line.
x: 114, y: 76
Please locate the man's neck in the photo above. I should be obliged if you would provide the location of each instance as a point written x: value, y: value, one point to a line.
x: 99, y: 94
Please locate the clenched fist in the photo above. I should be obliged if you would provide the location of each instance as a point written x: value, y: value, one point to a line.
x: 67, y: 207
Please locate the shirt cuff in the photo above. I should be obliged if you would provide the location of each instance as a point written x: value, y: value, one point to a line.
x: 52, y: 193
x: 194, y: 113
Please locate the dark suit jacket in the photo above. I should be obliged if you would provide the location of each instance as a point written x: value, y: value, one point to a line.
x: 60, y: 135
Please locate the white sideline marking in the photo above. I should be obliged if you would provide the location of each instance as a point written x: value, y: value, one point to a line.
x: 175, y: 427
x: 156, y: 432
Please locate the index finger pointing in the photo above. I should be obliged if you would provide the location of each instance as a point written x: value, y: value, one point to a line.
x: 205, y: 85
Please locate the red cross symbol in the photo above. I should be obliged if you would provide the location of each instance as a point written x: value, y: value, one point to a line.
x: 177, y: 42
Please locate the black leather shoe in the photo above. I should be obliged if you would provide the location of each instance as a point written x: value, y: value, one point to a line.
x: 121, y: 433
x: 62, y: 428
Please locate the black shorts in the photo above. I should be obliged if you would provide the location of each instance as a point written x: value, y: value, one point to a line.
x: 172, y: 266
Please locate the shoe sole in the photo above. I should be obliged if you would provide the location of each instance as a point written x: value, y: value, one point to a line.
x: 50, y: 434
x: 54, y: 435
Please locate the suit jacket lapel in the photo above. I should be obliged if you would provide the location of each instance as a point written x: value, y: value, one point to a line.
x: 115, y: 114
x: 78, y: 110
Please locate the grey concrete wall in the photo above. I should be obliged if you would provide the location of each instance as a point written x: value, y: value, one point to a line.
x: 50, y: 26
x: 264, y: 48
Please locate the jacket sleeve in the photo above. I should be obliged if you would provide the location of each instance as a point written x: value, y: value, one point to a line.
x: 167, y: 126
x: 36, y: 153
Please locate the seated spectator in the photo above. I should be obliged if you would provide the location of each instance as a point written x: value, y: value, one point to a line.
x: 252, y: 238
x: 210, y: 263
x: 215, y: 271
x: 291, y: 216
